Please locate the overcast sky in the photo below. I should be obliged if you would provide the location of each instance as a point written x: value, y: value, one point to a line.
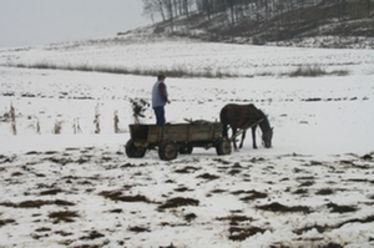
x: 34, y: 22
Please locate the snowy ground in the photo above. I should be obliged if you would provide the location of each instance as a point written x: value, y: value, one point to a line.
x: 314, y: 188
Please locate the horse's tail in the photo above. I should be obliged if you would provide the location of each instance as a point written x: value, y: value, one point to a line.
x: 225, y: 130
x: 224, y: 123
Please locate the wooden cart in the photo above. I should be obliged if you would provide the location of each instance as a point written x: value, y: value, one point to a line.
x: 172, y: 139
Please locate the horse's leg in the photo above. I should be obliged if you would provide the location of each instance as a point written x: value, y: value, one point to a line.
x: 254, y: 137
x: 243, y: 137
x: 234, y: 139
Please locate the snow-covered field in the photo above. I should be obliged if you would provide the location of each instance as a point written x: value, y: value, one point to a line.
x: 189, y: 56
x: 314, y: 188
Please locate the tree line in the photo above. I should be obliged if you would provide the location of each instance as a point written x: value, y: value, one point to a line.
x: 234, y: 11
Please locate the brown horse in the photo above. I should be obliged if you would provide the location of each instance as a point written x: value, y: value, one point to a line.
x: 243, y: 117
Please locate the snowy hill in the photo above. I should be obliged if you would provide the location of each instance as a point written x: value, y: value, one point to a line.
x: 323, y: 24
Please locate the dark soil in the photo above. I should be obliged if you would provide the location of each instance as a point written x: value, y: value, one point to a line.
x: 88, y: 246
x: 300, y: 191
x: 368, y: 157
x: 190, y: 217
x: 179, y: 202
x: 332, y: 245
x: 319, y: 228
x: 16, y: 174
x: 117, y: 196
x: 63, y: 216
x: 277, y: 207
x: 138, y: 229
x: 208, y: 176
x: 251, y: 195
x: 187, y: 170
x: 326, y: 191
x: 182, y: 189
x: 43, y: 229
x: 341, y: 208
x: 51, y: 192
x: 307, y: 184
x: 367, y: 219
x: 234, y: 219
x: 116, y: 211
x: 63, y: 233
x: 323, y: 228
x: 93, y: 235
x: 36, y: 204
x: 6, y: 221
x: 240, y: 234
x: 219, y: 160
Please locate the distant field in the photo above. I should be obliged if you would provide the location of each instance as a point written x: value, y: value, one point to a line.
x: 190, y: 59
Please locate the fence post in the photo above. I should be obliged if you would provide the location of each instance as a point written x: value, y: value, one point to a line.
x: 12, y: 113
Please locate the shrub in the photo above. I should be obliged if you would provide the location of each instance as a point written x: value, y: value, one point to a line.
x: 315, y: 71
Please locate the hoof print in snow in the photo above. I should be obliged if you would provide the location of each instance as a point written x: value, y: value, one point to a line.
x: 277, y: 207
x: 178, y: 202
x: 242, y: 233
x: 63, y: 216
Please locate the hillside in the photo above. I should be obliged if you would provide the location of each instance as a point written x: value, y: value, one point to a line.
x: 321, y: 25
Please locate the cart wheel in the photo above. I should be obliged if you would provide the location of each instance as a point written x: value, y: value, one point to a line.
x: 185, y: 149
x: 168, y: 151
x: 133, y: 151
x: 223, y: 147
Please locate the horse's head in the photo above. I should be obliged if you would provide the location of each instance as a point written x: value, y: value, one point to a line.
x: 267, y: 137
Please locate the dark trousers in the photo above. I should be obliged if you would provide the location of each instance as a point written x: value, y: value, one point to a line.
x: 160, y: 115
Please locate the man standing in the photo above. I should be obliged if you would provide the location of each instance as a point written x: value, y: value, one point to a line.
x: 159, y: 99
